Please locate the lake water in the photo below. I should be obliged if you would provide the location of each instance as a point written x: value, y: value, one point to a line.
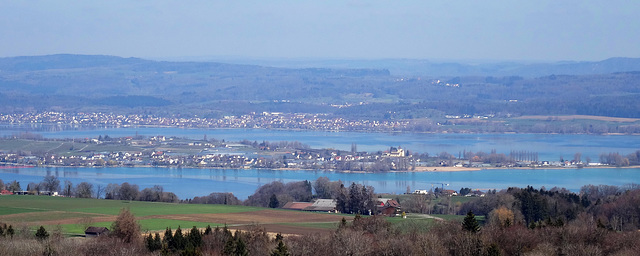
x: 187, y: 183
x: 550, y: 147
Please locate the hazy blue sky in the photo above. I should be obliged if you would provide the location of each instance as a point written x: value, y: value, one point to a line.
x: 448, y: 29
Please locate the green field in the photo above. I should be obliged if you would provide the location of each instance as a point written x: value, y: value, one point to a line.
x: 73, y: 215
x: 5, y: 210
x: 112, y: 207
x: 33, y: 210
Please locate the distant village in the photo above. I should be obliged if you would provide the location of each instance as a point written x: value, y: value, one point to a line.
x: 161, y: 151
x: 264, y: 120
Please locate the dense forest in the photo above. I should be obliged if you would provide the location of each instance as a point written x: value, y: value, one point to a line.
x: 128, y: 85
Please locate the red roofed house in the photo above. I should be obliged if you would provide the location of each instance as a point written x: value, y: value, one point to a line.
x: 388, y: 207
x: 449, y: 192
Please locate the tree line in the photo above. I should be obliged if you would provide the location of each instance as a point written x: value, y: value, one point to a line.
x: 619, y: 160
x: 125, y: 191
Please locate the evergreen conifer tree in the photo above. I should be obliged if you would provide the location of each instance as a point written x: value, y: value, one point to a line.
x: 148, y: 242
x: 157, y: 242
x: 10, y: 231
x: 343, y: 223
x: 273, y: 201
x: 168, y: 238
x: 470, y: 223
x: 241, y: 248
x: 281, y: 250
x: 195, y: 237
x: 42, y: 233
x: 229, y: 247
x: 179, y: 241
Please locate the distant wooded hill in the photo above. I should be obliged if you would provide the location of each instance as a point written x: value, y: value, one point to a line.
x: 413, y: 67
x: 108, y: 83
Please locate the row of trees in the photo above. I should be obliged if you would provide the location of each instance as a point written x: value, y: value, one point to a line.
x: 277, y: 145
x: 215, y: 198
x: 617, y: 159
x: 51, y: 184
x: 124, y: 191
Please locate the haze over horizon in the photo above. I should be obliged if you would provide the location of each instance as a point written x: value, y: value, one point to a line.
x: 446, y: 30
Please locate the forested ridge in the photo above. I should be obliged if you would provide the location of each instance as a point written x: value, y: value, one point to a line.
x: 130, y: 85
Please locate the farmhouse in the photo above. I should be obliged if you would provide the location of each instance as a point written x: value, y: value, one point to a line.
x: 388, y: 207
x: 449, y: 192
x: 96, y: 231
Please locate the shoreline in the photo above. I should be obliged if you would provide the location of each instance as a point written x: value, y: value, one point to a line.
x: 417, y: 169
x: 327, y: 130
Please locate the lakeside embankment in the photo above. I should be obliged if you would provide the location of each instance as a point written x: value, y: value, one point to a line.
x: 417, y: 169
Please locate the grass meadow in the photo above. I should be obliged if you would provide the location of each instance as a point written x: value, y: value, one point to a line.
x: 74, y: 214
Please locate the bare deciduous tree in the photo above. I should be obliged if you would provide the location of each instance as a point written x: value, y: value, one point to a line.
x: 99, y: 191
x: 51, y: 183
x: 84, y: 190
x: 126, y: 227
x: 68, y: 188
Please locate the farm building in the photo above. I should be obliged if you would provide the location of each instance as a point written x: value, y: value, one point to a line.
x: 320, y: 205
x: 388, y: 207
x: 96, y: 231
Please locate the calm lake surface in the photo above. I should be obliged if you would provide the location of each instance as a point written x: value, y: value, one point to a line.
x: 187, y: 183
